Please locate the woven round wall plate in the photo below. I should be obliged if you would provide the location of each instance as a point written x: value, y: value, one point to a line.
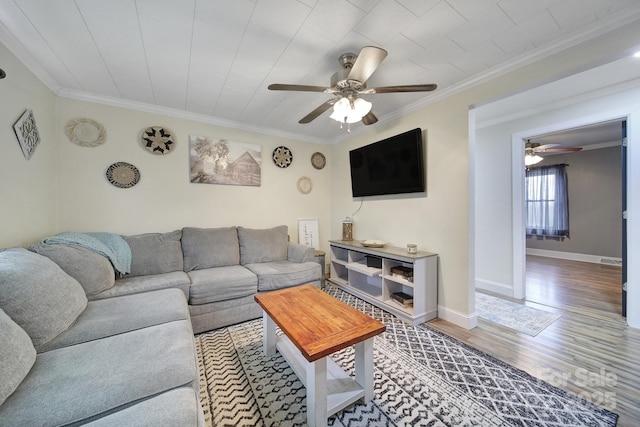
x: 304, y: 185
x: 282, y: 157
x: 85, y: 132
x: 157, y: 140
x: 123, y: 175
x: 318, y: 160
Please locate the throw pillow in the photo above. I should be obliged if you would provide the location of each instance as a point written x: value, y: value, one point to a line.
x: 92, y: 270
x: 155, y: 253
x: 263, y: 245
x: 209, y: 247
x: 38, y: 295
x: 17, y: 356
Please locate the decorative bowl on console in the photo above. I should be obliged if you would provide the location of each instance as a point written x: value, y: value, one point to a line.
x: 373, y: 243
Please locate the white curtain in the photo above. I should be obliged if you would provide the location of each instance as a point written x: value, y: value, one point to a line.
x: 547, y: 202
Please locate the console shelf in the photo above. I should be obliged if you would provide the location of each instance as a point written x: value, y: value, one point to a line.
x: 349, y: 271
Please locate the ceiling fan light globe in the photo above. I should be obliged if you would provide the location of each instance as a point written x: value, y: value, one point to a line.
x: 532, y: 159
x: 338, y: 116
x: 342, y: 107
x: 362, y: 107
x: 353, y: 117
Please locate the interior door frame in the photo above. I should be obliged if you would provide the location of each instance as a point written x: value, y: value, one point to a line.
x: 518, y: 141
x: 623, y: 160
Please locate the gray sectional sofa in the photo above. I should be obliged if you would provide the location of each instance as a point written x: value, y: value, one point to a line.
x: 82, y: 344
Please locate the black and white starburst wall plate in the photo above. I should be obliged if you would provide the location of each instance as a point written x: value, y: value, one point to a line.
x: 158, y: 140
x: 282, y: 157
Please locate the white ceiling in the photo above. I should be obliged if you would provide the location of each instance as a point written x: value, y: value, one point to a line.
x: 212, y: 60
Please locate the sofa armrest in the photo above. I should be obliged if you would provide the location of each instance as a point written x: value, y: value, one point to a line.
x: 297, y: 252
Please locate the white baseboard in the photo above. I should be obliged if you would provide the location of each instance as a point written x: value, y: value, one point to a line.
x: 463, y: 320
x: 495, y: 287
x: 596, y: 259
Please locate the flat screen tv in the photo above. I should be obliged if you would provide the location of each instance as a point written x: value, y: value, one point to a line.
x: 391, y: 166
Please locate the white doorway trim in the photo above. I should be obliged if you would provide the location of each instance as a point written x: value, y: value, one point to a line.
x: 518, y: 141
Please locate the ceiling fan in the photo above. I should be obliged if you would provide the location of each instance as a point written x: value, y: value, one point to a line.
x: 348, y: 84
x: 532, y: 151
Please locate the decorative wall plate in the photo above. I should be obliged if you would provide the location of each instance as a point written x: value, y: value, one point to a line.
x: 157, y: 140
x: 304, y: 185
x: 85, y: 132
x: 282, y: 157
x: 318, y: 160
x: 123, y: 175
x: 27, y: 133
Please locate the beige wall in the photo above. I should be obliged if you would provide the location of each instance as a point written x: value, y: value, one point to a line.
x: 27, y: 187
x: 164, y: 199
x: 435, y: 221
x: 439, y: 222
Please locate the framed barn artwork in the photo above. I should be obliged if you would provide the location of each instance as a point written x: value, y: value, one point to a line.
x: 225, y: 162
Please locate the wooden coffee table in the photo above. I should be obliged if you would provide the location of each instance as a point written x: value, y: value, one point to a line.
x: 316, y: 325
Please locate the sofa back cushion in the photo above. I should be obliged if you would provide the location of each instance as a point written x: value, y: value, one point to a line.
x: 40, y: 297
x: 92, y: 270
x: 210, y: 247
x: 17, y: 355
x: 263, y: 245
x: 155, y: 253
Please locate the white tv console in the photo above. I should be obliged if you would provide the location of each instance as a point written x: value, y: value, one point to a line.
x: 349, y: 271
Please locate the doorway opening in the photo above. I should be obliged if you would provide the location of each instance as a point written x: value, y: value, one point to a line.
x: 595, y: 159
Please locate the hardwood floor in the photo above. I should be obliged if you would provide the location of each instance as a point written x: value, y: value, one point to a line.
x: 589, y: 351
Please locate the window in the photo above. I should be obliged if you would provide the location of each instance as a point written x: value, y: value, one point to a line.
x: 547, y: 202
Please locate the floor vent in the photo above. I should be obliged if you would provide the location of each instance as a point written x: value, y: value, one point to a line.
x: 611, y: 261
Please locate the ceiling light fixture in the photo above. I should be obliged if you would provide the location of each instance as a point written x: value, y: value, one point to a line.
x: 348, y: 110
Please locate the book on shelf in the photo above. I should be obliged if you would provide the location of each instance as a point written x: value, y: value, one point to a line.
x: 405, y: 299
x: 402, y: 272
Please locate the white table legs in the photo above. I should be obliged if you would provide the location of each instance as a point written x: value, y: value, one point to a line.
x: 364, y: 367
x: 317, y: 393
x: 317, y: 376
x: 268, y: 334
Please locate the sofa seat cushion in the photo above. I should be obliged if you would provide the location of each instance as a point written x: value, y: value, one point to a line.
x: 74, y: 384
x: 263, y: 245
x: 113, y: 316
x: 283, y: 274
x: 175, y: 408
x: 17, y: 355
x: 209, y: 247
x: 38, y: 295
x: 92, y: 270
x: 132, y: 285
x: 220, y: 284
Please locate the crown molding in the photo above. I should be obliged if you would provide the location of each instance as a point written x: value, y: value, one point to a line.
x: 522, y: 60
x: 182, y: 114
x: 601, y: 27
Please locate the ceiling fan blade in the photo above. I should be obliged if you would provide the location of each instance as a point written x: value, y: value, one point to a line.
x: 368, y: 60
x: 402, y: 88
x: 369, y: 119
x: 300, y: 88
x: 559, y: 150
x: 543, y: 147
x: 315, y: 113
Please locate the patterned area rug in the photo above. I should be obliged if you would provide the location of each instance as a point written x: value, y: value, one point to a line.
x: 513, y: 315
x: 422, y: 378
